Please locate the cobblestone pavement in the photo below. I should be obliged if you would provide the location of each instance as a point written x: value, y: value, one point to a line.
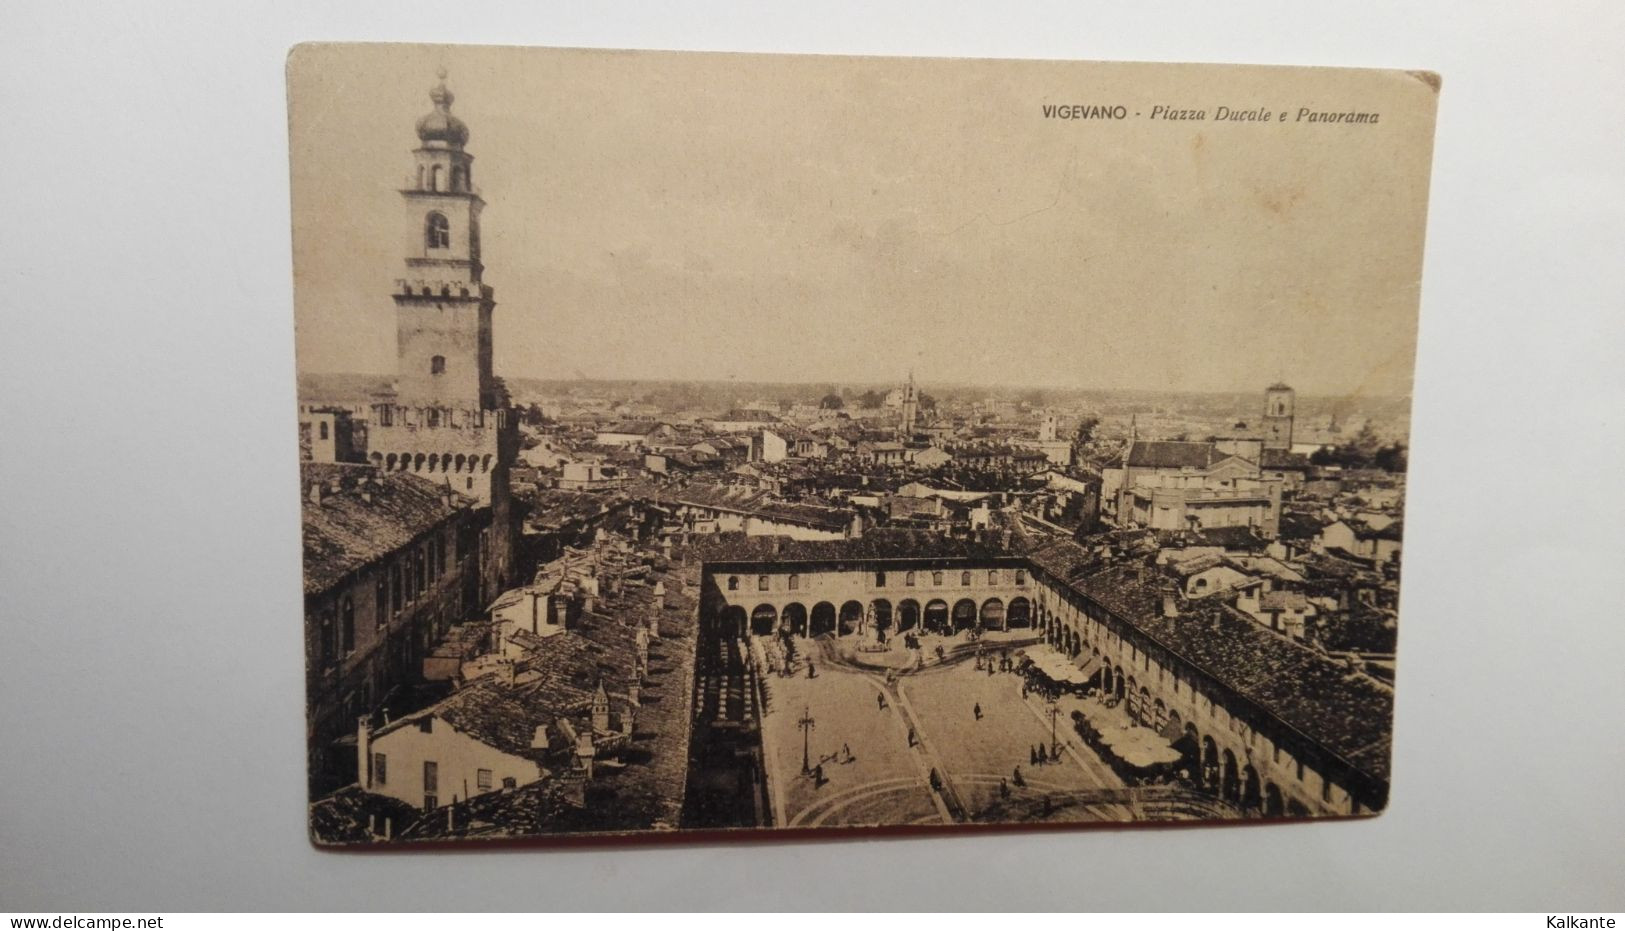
x: 977, y: 754
x: 887, y: 781
x: 883, y: 783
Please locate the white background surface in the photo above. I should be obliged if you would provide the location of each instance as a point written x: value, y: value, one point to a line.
x: 151, y: 751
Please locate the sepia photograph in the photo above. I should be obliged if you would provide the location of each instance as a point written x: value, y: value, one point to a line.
x: 805, y: 464
x: 726, y: 442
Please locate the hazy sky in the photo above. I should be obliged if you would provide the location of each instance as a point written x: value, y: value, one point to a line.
x: 829, y: 219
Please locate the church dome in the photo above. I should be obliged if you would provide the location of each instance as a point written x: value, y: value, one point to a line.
x: 440, y: 125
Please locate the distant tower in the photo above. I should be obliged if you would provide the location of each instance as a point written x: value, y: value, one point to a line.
x: 911, y: 408
x: 1046, y: 429
x: 1279, y: 401
x: 447, y: 419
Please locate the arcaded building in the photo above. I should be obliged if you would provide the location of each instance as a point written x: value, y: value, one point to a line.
x: 1267, y: 724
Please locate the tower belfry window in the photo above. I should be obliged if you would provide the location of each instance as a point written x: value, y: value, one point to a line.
x: 437, y: 232
x: 437, y: 365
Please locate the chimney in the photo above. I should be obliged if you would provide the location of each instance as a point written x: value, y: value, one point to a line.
x: 1170, y: 602
x: 363, y: 751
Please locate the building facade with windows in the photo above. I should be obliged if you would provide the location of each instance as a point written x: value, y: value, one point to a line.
x: 391, y: 563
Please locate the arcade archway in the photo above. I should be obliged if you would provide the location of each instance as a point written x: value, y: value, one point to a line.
x: 733, y: 621
x: 851, y: 617
x: 1252, y: 795
x: 794, y: 619
x: 823, y: 619
x: 964, y: 614
x: 763, y: 620
x: 1020, y: 613
x: 1232, y: 779
x: 880, y: 610
x: 908, y: 615
x: 993, y: 614
x: 936, y: 615
x: 1272, y: 801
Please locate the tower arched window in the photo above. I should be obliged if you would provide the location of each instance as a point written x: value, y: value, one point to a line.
x: 437, y: 178
x: 437, y: 366
x: 437, y: 232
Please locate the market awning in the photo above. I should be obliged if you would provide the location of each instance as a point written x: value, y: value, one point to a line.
x: 1059, y: 668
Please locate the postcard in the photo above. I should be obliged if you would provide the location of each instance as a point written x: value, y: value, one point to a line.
x: 732, y: 443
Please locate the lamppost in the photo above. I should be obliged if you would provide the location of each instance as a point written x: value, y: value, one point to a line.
x: 1054, y: 745
x: 806, y: 724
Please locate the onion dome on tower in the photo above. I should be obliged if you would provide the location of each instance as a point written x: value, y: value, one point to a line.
x: 440, y: 126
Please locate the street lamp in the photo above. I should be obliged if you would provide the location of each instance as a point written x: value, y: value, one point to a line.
x: 1054, y: 744
x: 806, y: 724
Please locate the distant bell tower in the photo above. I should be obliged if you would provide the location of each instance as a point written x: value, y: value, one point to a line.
x: 911, y: 408
x: 1279, y: 401
x: 442, y: 308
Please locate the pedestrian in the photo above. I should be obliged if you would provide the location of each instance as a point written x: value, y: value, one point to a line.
x: 1004, y: 788
x: 1016, y: 778
x: 936, y: 781
x: 880, y: 701
x: 846, y: 752
x: 911, y: 737
x: 977, y: 710
x: 1032, y: 756
x: 810, y: 674
x: 1042, y: 756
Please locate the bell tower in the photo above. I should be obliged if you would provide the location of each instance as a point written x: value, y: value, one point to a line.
x: 911, y: 409
x: 447, y: 419
x: 1279, y: 401
x: 442, y: 307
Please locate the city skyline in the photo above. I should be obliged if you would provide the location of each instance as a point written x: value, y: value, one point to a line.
x: 921, y: 249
